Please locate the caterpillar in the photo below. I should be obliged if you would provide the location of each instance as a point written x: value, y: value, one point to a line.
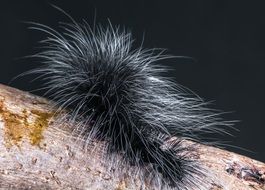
x: 118, y: 95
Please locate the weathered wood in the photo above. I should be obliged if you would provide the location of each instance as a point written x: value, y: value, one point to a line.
x: 37, y: 153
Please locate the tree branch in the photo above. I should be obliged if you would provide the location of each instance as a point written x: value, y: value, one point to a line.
x: 37, y: 153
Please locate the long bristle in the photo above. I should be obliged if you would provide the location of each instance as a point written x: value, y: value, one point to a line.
x: 118, y: 94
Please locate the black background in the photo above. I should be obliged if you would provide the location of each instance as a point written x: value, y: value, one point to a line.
x: 226, y: 40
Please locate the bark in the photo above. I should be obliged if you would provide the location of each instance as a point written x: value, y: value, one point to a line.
x: 37, y: 153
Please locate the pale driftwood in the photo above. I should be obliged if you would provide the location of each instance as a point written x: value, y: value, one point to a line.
x: 35, y: 154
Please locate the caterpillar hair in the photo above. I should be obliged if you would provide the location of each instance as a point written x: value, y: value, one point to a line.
x: 118, y: 96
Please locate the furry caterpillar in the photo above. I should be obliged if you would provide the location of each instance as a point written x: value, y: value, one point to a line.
x: 120, y: 97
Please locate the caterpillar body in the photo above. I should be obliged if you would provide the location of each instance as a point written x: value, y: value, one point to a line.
x: 121, y: 98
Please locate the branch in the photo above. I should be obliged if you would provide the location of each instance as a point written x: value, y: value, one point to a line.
x: 37, y: 153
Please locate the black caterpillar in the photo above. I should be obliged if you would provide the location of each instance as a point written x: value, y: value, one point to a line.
x: 120, y: 93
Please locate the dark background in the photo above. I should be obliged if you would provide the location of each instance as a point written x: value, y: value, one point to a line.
x: 226, y: 40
